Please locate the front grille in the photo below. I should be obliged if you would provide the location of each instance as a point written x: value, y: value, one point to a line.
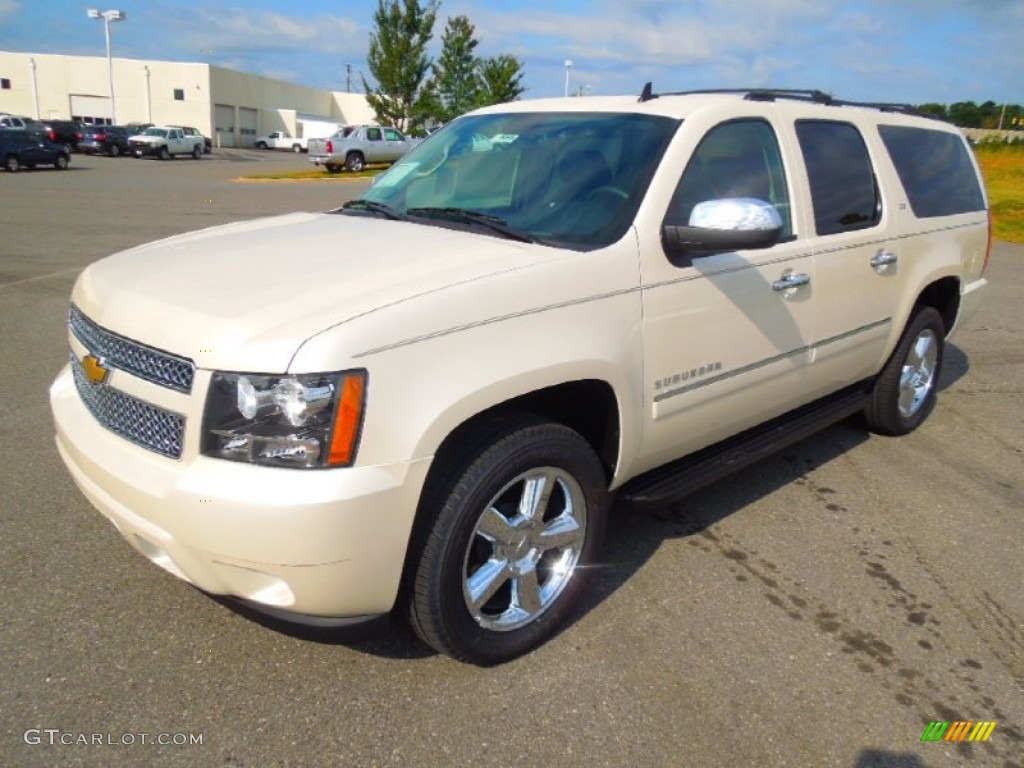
x: 144, y: 424
x: 147, y: 363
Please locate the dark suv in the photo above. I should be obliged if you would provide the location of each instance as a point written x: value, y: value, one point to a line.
x: 104, y: 139
x: 24, y: 149
x: 63, y: 132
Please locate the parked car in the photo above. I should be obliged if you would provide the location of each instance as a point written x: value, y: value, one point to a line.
x: 20, y: 148
x: 64, y: 132
x: 104, y: 139
x: 165, y: 142
x: 355, y: 146
x: 545, y: 305
x: 284, y: 140
x: 15, y: 121
x: 190, y: 131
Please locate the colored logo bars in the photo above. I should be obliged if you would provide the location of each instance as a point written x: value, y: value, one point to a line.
x: 938, y: 730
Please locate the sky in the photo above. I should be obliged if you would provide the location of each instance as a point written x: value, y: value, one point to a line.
x: 911, y: 51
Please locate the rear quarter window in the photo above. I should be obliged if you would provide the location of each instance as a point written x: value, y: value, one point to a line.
x: 935, y: 170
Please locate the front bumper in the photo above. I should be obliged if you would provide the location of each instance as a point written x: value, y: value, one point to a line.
x: 143, y: 150
x: 325, y: 543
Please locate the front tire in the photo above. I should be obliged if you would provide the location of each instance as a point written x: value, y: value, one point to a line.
x: 197, y: 152
x: 12, y: 164
x: 517, y: 516
x: 61, y: 163
x: 261, y: 145
x: 114, y: 150
x: 163, y: 154
x: 905, y: 391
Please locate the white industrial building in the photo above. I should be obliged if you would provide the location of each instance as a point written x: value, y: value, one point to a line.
x: 231, y: 107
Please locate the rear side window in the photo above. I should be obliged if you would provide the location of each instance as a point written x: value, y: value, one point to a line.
x: 843, y: 188
x: 935, y: 171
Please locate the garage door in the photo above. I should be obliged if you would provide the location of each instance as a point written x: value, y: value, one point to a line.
x: 92, y: 110
x: 224, y: 125
x: 248, y: 123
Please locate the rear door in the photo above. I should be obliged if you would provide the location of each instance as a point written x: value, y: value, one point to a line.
x: 396, y: 144
x: 374, y: 149
x: 858, y: 275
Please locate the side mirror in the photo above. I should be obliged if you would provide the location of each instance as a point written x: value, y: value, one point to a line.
x: 720, y: 226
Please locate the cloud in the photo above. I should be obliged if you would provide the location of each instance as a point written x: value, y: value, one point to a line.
x: 233, y: 30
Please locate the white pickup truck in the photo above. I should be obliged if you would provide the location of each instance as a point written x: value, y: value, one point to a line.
x: 165, y: 142
x: 355, y: 146
x: 282, y: 140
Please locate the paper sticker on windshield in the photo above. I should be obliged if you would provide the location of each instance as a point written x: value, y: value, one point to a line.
x: 504, y: 138
x: 395, y: 175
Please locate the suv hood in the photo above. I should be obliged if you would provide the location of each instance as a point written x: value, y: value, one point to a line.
x: 245, y: 296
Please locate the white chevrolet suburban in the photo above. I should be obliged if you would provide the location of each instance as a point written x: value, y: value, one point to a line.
x: 430, y: 402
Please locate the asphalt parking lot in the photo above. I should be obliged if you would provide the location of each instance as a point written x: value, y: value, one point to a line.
x: 819, y: 610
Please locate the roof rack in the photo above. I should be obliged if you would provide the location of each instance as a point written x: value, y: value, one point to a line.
x: 813, y: 96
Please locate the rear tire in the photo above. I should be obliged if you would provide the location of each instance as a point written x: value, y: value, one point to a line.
x: 905, y: 390
x: 355, y: 161
x: 512, y: 515
x: 114, y: 150
x: 12, y: 164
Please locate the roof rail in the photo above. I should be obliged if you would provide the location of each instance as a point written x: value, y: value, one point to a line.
x: 810, y: 95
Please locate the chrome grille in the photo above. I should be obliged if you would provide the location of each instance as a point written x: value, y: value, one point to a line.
x: 147, y: 363
x: 144, y: 424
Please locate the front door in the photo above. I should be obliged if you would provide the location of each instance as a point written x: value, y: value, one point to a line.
x: 726, y: 336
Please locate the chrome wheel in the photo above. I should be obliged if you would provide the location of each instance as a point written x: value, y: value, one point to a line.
x: 524, y: 549
x: 917, y: 377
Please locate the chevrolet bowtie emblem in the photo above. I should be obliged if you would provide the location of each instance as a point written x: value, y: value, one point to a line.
x: 94, y: 369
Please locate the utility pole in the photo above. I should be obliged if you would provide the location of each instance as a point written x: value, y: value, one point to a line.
x: 348, y: 78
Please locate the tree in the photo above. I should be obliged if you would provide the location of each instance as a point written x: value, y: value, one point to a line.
x: 500, y: 80
x: 398, y: 60
x: 455, y: 80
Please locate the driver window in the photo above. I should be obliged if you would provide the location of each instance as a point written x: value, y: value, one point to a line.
x: 735, y: 159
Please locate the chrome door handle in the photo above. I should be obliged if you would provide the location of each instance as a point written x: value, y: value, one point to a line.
x: 883, y: 259
x: 791, y: 281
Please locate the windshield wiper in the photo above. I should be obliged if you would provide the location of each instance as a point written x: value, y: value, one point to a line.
x: 376, y: 208
x: 465, y: 216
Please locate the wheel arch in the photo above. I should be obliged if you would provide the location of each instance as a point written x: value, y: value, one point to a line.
x: 589, y: 407
x: 944, y: 295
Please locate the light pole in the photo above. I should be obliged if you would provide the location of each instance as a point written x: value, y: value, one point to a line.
x: 108, y: 16
x: 568, y: 66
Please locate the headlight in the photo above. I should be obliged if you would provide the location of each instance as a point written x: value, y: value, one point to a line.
x: 307, y: 420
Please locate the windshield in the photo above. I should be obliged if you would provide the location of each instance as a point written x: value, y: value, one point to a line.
x: 155, y: 132
x: 571, y: 179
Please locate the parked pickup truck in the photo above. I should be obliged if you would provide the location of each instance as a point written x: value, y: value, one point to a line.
x: 165, y: 142
x: 282, y: 140
x: 355, y: 146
